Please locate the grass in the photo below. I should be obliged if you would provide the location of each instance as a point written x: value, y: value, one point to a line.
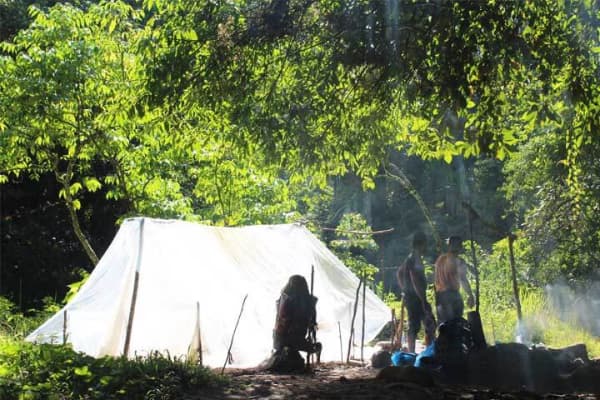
x: 541, y: 324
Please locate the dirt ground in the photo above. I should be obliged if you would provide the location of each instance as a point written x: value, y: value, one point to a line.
x: 331, y: 381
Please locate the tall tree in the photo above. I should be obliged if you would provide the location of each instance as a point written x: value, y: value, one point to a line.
x: 68, y: 84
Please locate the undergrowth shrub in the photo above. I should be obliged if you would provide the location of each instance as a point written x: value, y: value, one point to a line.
x: 42, y: 371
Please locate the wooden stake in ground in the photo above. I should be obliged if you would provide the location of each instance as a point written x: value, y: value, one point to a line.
x: 65, y: 327
x: 351, y: 338
x: 513, y: 270
x: 229, y: 357
x: 394, y: 326
x: 199, y: 333
x: 136, y: 282
x: 364, y: 296
x: 341, y: 349
x: 312, y: 330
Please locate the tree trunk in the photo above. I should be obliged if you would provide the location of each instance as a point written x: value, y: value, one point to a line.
x: 399, y: 177
x: 87, y: 247
x: 65, y: 180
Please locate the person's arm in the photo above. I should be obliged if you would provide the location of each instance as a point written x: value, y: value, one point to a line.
x: 470, y: 268
x: 464, y: 282
x: 419, y: 290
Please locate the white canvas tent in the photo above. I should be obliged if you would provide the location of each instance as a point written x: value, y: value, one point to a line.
x: 192, y: 278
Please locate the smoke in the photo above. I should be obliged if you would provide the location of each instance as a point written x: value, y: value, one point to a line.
x: 530, y: 330
x: 580, y: 304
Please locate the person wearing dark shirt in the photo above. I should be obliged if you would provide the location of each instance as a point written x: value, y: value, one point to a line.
x: 412, y: 282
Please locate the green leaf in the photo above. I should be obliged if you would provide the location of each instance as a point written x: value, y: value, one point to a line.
x: 91, y: 184
x: 75, y: 188
x: 447, y: 157
x: 112, y: 25
x: 82, y: 371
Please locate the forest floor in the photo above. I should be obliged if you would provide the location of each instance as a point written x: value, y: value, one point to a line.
x: 331, y: 381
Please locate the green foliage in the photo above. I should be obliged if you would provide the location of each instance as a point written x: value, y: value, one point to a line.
x: 75, y: 286
x: 389, y: 298
x: 542, y: 322
x: 16, y: 325
x: 355, y: 240
x: 559, y: 226
x: 29, y: 371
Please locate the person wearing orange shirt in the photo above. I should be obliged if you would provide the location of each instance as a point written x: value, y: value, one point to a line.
x: 450, y: 275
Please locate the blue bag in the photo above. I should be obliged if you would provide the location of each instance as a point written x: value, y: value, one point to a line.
x: 429, y: 352
x: 401, y: 358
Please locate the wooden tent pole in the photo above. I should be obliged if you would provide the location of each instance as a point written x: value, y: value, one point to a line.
x: 65, y: 327
x: 394, y: 325
x: 199, y: 334
x: 360, y: 282
x: 228, y: 357
x: 312, y: 333
x: 364, y: 296
x: 135, y: 289
x: 341, y: 348
x: 131, y: 313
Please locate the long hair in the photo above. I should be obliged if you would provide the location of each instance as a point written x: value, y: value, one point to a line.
x: 296, y: 287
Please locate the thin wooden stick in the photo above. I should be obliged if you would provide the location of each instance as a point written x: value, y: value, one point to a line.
x: 199, y: 334
x: 136, y: 282
x: 351, y: 338
x: 389, y: 230
x: 394, y: 326
x: 341, y: 348
x: 228, y: 357
x: 65, y: 327
x: 131, y: 314
x: 513, y: 269
x: 312, y: 334
x: 362, y: 338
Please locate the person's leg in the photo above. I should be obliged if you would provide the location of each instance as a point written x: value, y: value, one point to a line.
x: 458, y: 305
x: 429, y: 324
x: 414, y: 311
x: 444, y: 307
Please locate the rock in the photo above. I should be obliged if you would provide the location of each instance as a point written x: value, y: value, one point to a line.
x: 585, y: 379
x: 503, y: 366
x: 381, y: 359
x: 409, y: 373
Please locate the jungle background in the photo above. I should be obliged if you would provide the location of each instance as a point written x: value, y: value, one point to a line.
x: 471, y: 118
